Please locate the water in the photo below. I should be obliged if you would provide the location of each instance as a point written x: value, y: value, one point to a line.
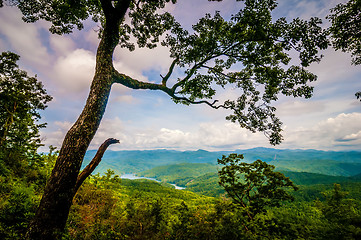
x: 177, y: 187
x: 131, y: 176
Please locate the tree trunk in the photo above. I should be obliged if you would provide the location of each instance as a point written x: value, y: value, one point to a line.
x: 52, y: 213
x: 54, y: 207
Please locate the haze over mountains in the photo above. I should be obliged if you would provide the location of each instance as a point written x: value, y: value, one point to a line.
x: 347, y: 163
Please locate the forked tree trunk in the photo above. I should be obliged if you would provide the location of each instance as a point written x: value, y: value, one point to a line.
x: 51, y: 216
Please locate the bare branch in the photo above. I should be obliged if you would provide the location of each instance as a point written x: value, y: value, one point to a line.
x: 212, y: 105
x: 94, y: 162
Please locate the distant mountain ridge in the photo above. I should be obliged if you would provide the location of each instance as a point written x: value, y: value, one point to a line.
x: 270, y: 154
x: 346, y: 163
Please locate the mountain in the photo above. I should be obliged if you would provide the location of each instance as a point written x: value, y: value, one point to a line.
x: 136, y: 161
x: 322, y: 162
x: 357, y: 176
x: 327, y: 167
x: 270, y: 154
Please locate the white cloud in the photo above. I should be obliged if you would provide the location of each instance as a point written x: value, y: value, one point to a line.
x: 135, y: 63
x: 227, y: 135
x: 75, y: 71
x: 23, y: 38
x: 306, y: 9
x: 352, y: 137
x: 335, y: 66
x: 172, y: 137
x: 61, y: 45
x: 125, y: 99
x: 340, y: 132
x: 3, y: 45
x: 187, y: 12
x: 109, y: 128
x: 210, y: 136
x: 298, y: 108
x: 92, y: 37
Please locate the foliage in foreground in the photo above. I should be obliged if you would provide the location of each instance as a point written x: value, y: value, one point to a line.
x: 107, y: 207
x: 23, y: 171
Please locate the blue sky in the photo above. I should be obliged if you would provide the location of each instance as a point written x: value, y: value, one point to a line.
x: 140, y: 119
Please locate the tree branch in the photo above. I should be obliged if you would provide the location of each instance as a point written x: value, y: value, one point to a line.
x: 94, y: 162
x: 170, y: 71
x: 136, y: 84
x: 195, y: 67
x: 215, y: 72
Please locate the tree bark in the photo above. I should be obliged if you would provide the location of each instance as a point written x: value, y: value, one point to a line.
x: 52, y: 213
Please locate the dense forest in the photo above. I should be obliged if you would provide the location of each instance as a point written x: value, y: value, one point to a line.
x: 109, y: 207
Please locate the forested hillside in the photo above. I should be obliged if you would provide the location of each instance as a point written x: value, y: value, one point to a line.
x: 110, y: 208
x: 203, y: 178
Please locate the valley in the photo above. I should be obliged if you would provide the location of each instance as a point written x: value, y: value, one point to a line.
x: 197, y: 171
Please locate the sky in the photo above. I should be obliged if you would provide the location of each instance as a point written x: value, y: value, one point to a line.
x: 144, y: 119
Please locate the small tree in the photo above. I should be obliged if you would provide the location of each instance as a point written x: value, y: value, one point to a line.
x: 254, y: 186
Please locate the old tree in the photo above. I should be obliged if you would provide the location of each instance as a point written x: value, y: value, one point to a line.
x: 249, y: 51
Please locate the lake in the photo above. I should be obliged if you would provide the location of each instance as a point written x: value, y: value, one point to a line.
x: 132, y: 176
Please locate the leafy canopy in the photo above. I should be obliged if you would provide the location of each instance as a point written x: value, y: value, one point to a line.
x: 146, y: 25
x: 345, y: 30
x: 250, y: 52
